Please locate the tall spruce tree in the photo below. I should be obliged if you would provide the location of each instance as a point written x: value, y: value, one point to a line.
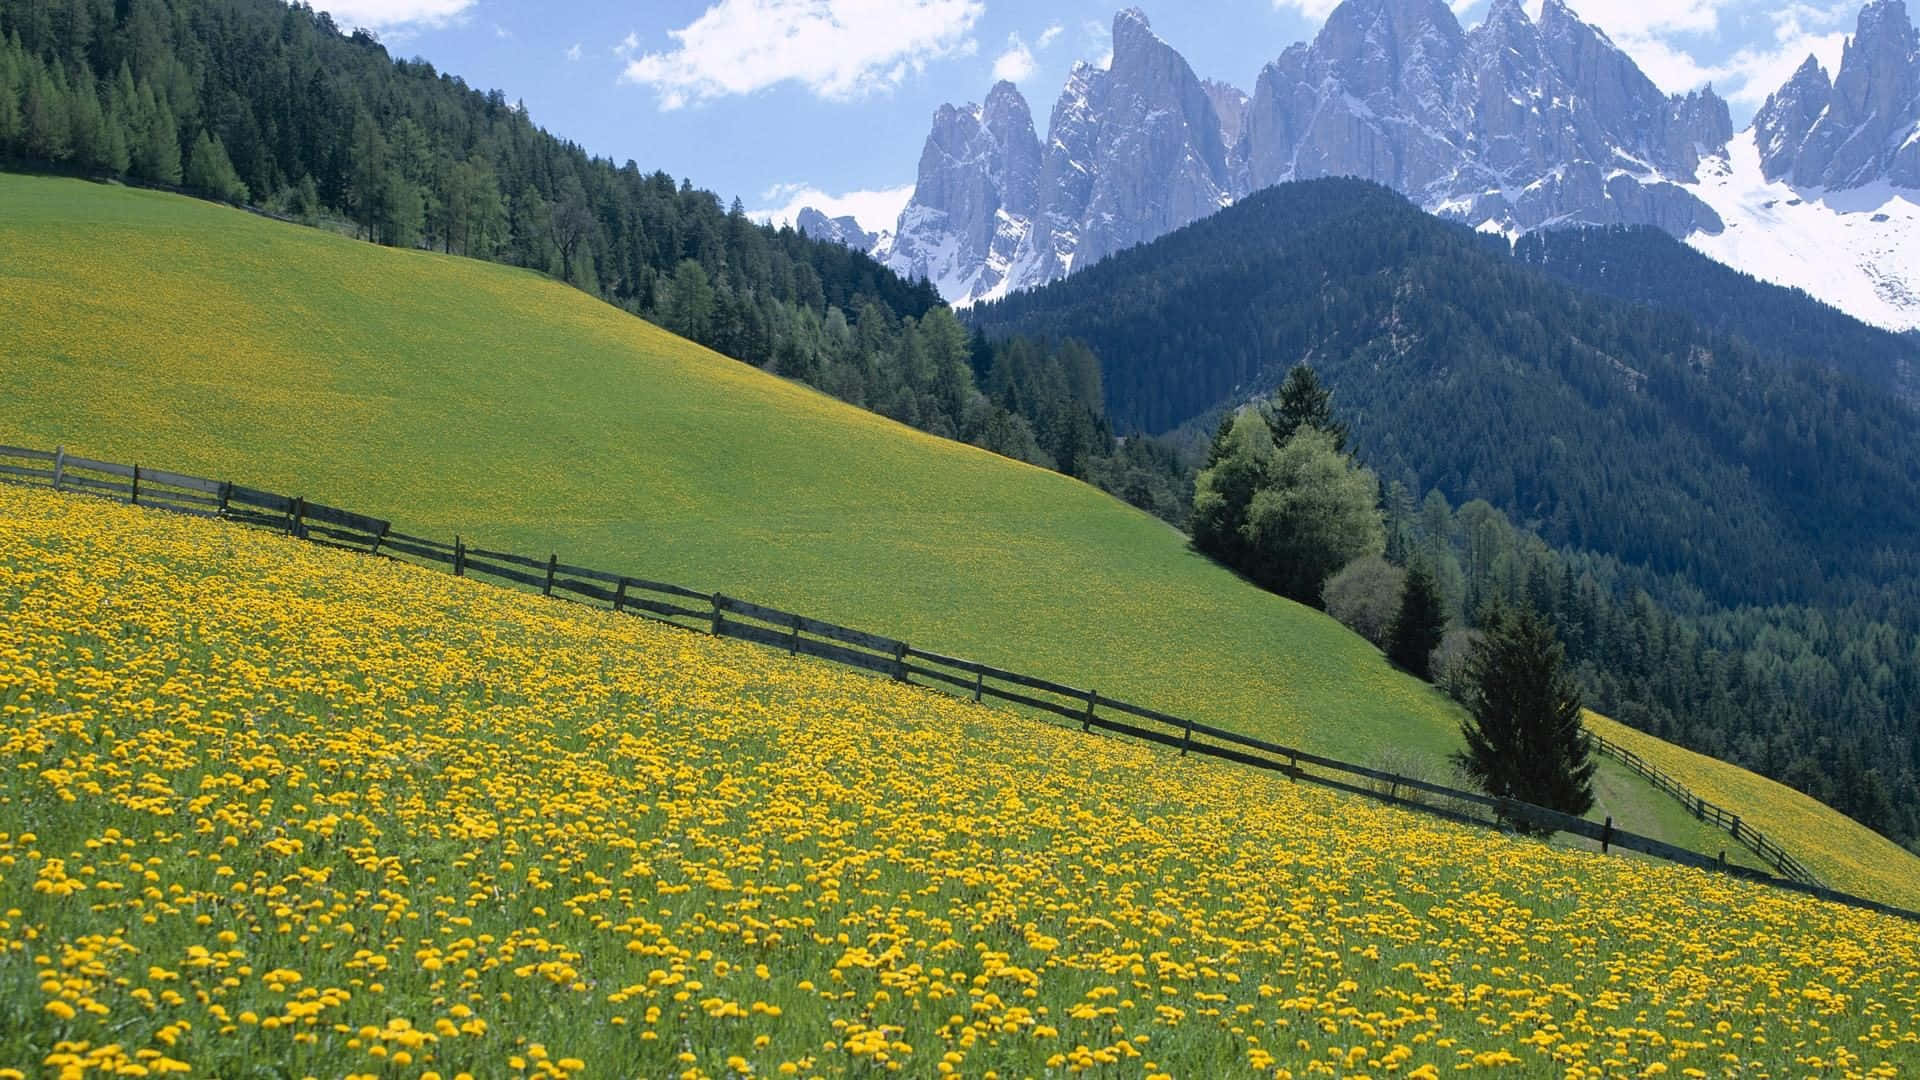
x: 1524, y: 738
x: 1303, y: 401
x: 1421, y: 623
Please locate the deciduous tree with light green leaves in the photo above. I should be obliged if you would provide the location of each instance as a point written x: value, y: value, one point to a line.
x: 1318, y: 511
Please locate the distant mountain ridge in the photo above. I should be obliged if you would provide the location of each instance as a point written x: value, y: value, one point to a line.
x: 1640, y: 431
x: 1515, y: 125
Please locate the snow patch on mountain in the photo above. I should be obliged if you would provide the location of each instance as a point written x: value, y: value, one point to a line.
x: 1857, y: 249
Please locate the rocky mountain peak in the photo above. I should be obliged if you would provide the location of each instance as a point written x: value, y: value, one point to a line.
x: 1132, y: 32
x: 1230, y: 105
x: 1517, y: 124
x: 1788, y: 114
x: 840, y: 230
x: 1506, y: 14
x: 1861, y: 128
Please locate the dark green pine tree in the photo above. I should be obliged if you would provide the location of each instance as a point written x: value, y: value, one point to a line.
x: 1421, y: 623
x: 1524, y: 739
x: 1304, y: 401
x: 1218, y: 448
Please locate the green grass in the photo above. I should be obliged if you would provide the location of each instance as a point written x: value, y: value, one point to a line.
x: 454, y: 395
x: 273, y: 810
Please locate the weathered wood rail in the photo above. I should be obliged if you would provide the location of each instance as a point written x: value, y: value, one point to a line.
x: 1753, y: 839
x: 801, y: 635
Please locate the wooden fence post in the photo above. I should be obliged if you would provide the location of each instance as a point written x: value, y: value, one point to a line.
x: 59, y: 466
x: 226, y: 489
x: 1186, y: 741
x: 459, y: 556
x: 1606, y: 834
x: 553, y: 562
x: 620, y: 596
x: 900, y: 662
x: 1086, y: 722
x: 717, y: 617
x: 375, y: 549
x: 793, y: 639
x: 299, y: 512
x: 133, y: 493
x: 979, y: 684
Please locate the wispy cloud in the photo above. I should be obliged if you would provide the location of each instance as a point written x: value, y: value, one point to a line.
x: 627, y: 46
x: 839, y: 50
x: 876, y: 210
x: 1669, y: 39
x: 396, y: 14
x: 1312, y: 9
x: 573, y: 53
x: 1099, y: 41
x: 1016, y: 64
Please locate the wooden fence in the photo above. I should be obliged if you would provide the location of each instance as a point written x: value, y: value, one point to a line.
x: 726, y: 616
x: 1756, y: 841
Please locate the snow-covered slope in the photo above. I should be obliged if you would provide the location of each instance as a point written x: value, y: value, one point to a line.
x: 1858, y: 250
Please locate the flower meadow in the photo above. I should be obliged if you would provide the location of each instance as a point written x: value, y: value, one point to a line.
x: 457, y: 396
x: 268, y: 809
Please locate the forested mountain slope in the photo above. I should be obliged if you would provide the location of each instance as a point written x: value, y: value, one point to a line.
x: 1766, y: 502
x: 1651, y: 267
x: 1611, y: 428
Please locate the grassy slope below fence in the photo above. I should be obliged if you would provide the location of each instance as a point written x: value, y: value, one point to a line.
x: 457, y: 395
x: 272, y: 809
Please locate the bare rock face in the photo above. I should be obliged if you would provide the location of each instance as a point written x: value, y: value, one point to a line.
x: 1230, y: 105
x: 976, y: 190
x: 1780, y: 127
x: 1513, y: 125
x: 1132, y: 152
x: 1375, y: 96
x: 1154, y: 149
x: 1861, y: 129
x: 840, y: 230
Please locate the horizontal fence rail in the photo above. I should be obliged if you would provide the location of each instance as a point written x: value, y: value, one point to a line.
x: 800, y: 635
x: 1757, y: 842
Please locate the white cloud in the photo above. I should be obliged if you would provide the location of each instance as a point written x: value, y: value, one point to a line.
x: 1671, y: 68
x: 838, y: 49
x: 876, y: 210
x: 1016, y: 64
x: 1639, y: 19
x: 625, y: 46
x: 573, y: 52
x: 501, y: 32
x: 1312, y: 9
x: 390, y: 14
x: 1099, y: 39
x: 1759, y: 72
x: 1667, y: 38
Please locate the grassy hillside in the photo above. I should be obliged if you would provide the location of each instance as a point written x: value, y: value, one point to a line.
x: 1779, y: 811
x: 458, y: 395
x: 271, y: 809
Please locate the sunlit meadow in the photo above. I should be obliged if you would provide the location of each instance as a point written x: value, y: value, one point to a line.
x: 459, y: 396
x: 272, y: 810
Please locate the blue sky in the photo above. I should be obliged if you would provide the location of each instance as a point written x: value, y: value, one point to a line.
x: 785, y: 102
